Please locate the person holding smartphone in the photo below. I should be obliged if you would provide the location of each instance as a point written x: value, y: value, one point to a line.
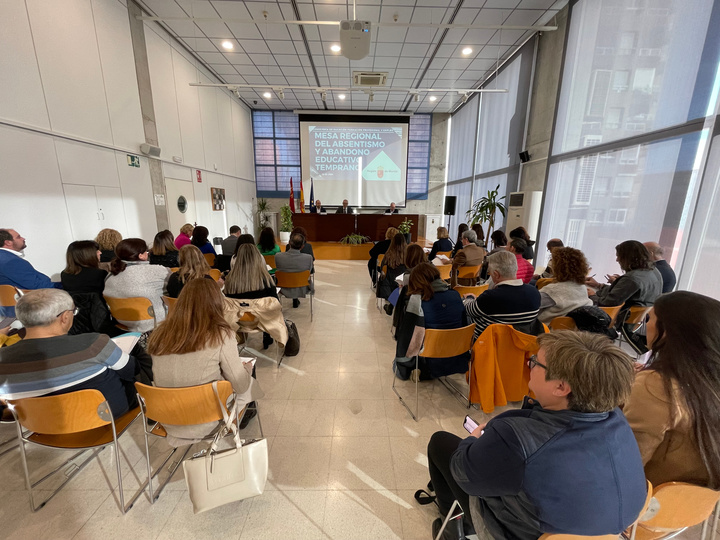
x: 566, y: 462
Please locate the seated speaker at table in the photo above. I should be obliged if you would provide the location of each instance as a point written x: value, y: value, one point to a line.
x: 318, y: 208
x: 392, y: 209
x: 345, y: 208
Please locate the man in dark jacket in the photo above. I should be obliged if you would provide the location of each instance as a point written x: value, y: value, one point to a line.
x: 566, y: 462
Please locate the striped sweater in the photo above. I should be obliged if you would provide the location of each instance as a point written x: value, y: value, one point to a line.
x: 510, y: 302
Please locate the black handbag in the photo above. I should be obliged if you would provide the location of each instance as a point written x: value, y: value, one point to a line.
x: 292, y: 347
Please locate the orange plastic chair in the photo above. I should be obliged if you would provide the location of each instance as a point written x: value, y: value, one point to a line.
x: 448, y: 254
x: 540, y: 283
x: 183, y: 406
x: 563, y: 323
x: 613, y: 312
x: 444, y: 270
x: 169, y: 303
x: 215, y: 274
x: 7, y: 299
x: 477, y: 290
x: 174, y: 269
x: 294, y: 280
x: 439, y: 344
x: 469, y: 272
x: 135, y: 308
x: 74, y: 421
x: 210, y: 258
x: 270, y: 261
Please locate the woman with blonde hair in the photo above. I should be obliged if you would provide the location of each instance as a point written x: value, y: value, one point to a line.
x: 163, y: 250
x: 185, y: 236
x: 192, y: 266
x: 195, y: 345
x: 249, y: 279
x: 443, y: 243
x: 379, y: 249
x: 106, y: 240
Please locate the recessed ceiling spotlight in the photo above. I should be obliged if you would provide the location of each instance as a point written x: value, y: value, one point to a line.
x: 341, y: 96
x: 267, y: 95
x: 466, y: 51
x: 432, y: 98
x: 335, y: 48
x: 227, y: 45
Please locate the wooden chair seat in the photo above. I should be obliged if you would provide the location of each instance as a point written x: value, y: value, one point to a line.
x: 445, y: 270
x: 293, y: 280
x: 270, y: 261
x: 469, y: 272
x: 135, y: 308
x: 210, y: 258
x: 613, y: 312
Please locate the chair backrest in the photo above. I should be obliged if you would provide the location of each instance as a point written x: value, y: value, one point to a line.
x: 270, y: 260
x: 169, y: 303
x: 447, y: 343
x: 681, y: 505
x: 7, y: 295
x: 540, y: 283
x: 184, y: 406
x: 174, y: 269
x: 637, y: 314
x: 247, y: 317
x: 444, y: 270
x: 448, y: 254
x: 210, y: 258
x: 563, y: 323
x: 67, y: 413
x: 613, y: 312
x: 215, y: 274
x: 477, y: 290
x: 135, y: 308
x: 469, y: 272
x: 290, y: 280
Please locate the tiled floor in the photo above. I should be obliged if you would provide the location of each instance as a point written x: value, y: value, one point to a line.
x: 345, y: 456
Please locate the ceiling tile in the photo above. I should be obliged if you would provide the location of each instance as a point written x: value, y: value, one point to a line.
x: 223, y: 69
x: 244, y: 31
x: 415, y: 50
x: 255, y: 46
x: 238, y: 58
x: 388, y: 49
x: 213, y: 58
x: 282, y: 47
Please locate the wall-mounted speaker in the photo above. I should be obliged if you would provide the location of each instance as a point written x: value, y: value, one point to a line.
x: 524, y: 156
x: 150, y: 150
x: 450, y: 201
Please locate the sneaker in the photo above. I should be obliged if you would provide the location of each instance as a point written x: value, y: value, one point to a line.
x: 636, y: 341
x: 296, y: 302
x: 415, y: 375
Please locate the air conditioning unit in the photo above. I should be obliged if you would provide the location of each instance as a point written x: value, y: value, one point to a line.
x: 370, y: 78
x: 523, y: 210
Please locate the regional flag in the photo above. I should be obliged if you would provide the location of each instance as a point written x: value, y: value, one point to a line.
x: 312, y: 197
x: 292, y: 197
x: 302, y: 198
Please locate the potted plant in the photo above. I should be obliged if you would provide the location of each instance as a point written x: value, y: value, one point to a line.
x: 286, y: 224
x: 404, y: 229
x: 262, y: 213
x: 485, y: 208
x: 354, y: 239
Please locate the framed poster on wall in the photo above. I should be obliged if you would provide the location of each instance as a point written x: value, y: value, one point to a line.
x: 218, y: 198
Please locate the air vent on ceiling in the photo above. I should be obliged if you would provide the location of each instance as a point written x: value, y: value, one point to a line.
x: 369, y: 78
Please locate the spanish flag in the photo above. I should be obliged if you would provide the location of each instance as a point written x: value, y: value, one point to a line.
x: 302, y: 198
x: 292, y: 197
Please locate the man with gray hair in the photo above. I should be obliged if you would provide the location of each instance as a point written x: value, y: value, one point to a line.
x: 470, y: 255
x: 50, y: 362
x: 666, y: 271
x: 510, y: 302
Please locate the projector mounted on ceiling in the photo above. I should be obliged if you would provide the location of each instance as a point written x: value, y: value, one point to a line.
x: 355, y: 39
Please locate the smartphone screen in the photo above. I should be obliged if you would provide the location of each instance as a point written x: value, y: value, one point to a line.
x: 470, y: 425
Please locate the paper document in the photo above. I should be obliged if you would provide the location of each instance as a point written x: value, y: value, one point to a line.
x: 427, y: 250
x: 127, y: 341
x: 444, y: 258
x: 437, y: 261
x: 268, y: 267
x: 400, y: 279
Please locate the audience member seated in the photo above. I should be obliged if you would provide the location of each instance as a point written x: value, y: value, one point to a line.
x: 163, y: 251
x: 317, y: 208
x: 228, y: 245
x: 431, y: 304
x: 477, y: 227
x: 242, y: 239
x: 443, y: 243
x: 294, y: 261
x: 509, y: 302
x: 307, y: 247
x: 266, y: 242
x: 200, y: 239
x: 668, y: 274
x: 499, y: 241
x: 185, y: 236
x: 380, y: 248
x: 14, y: 269
x: 249, y: 279
x: 392, y: 266
x: 194, y: 346
x: 192, y: 266
x: 458, y: 243
x: 470, y: 255
x: 520, y: 232
x: 674, y: 407
x: 50, y: 362
x: 640, y: 285
x: 414, y: 255
x: 107, y: 239
x: 525, y: 269
x: 517, y: 476
x: 85, y: 282
x: 568, y: 292
x: 552, y: 244
x: 132, y: 275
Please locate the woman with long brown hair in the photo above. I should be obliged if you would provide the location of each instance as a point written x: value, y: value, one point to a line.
x: 674, y: 407
x: 195, y: 345
x: 163, y: 250
x: 192, y: 266
x: 393, y: 265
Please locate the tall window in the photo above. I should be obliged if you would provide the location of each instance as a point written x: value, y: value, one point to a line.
x: 418, y: 171
x: 277, y: 152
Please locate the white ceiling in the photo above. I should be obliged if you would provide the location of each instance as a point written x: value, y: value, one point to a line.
x: 270, y: 55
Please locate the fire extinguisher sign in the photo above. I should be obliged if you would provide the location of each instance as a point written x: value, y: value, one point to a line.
x: 198, y: 174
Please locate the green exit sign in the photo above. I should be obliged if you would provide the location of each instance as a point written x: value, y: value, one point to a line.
x: 133, y: 161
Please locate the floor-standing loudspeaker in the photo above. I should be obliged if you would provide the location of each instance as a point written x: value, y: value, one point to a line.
x: 450, y: 201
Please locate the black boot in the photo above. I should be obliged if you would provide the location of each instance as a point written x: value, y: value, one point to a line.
x: 267, y: 340
x: 296, y: 302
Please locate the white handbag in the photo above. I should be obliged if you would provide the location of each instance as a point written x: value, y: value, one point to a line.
x: 216, y: 477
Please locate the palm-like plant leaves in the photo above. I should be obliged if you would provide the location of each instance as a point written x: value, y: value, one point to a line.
x: 485, y: 208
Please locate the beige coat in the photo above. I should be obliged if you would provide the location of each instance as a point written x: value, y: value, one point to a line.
x: 267, y: 312
x: 664, y: 432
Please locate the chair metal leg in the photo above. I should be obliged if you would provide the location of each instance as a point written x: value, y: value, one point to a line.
x: 262, y: 434
x: 715, y: 521
x: 417, y: 399
x: 311, y: 306
x: 448, y: 517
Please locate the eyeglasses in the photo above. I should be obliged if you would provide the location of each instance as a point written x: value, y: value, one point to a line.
x: 75, y: 311
x: 533, y: 361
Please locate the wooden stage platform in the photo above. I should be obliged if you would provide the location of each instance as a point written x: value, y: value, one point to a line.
x: 335, y: 251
